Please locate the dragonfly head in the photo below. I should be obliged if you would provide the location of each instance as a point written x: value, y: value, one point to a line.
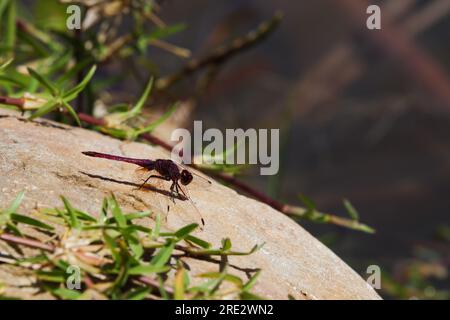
x: 186, y: 177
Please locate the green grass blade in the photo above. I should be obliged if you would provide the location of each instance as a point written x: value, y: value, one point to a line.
x: 202, y: 243
x: 10, y: 37
x: 185, y: 231
x: 159, y: 121
x: 147, y: 269
x: 157, y: 228
x: 72, y: 93
x: 48, y: 107
x: 163, y: 255
x: 226, y: 244
x: 18, y: 218
x: 15, y: 204
x: 72, y: 112
x: 251, y: 282
x: 5, y: 64
x: 138, y: 294
x: 74, y: 222
x: 44, y: 81
x: 66, y: 294
x: 117, y: 213
x: 352, y: 212
x: 136, y: 110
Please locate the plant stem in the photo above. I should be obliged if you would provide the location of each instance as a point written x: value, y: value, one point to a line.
x: 27, y: 242
x: 223, y: 53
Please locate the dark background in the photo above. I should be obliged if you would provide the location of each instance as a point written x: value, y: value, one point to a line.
x: 357, y: 121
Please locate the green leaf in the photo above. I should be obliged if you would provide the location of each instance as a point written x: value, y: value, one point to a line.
x: 137, y: 215
x: 156, y: 123
x: 73, y: 71
x: 3, y: 6
x: 185, y: 231
x: 138, y: 294
x: 146, y: 269
x: 202, y: 243
x: 134, y: 243
x: 163, y: 255
x: 85, y: 216
x: 12, y: 227
x: 307, y: 202
x: 18, y: 218
x: 10, y: 37
x: 74, y: 222
x: 66, y: 294
x: 5, y: 215
x: 49, y: 106
x: 213, y: 285
x: 15, y: 204
x: 39, y: 48
x: 226, y: 244
x: 245, y: 295
x: 351, y: 210
x: 72, y: 93
x: 51, y: 276
x: 164, y: 32
x: 117, y: 213
x: 104, y: 211
x: 227, y: 277
x: 44, y: 81
x: 72, y: 112
x: 5, y: 64
x: 136, y: 110
x: 112, y: 245
x: 157, y: 228
x: 162, y: 290
x: 256, y: 247
x: 251, y: 282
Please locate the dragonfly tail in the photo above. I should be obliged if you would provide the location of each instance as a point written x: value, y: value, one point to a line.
x: 146, y: 163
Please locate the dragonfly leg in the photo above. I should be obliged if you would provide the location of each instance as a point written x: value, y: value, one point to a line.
x: 154, y: 176
x: 172, y: 192
x: 177, y: 187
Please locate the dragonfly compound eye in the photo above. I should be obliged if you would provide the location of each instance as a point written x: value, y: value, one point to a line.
x: 186, y: 177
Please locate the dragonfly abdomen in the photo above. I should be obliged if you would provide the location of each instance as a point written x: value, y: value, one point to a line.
x: 145, y: 163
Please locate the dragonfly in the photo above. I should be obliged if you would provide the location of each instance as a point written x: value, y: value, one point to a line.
x: 162, y: 169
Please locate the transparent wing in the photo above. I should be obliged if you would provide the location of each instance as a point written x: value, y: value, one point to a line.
x: 199, y: 179
x: 185, y: 191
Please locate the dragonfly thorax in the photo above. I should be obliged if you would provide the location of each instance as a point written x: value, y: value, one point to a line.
x: 167, y: 168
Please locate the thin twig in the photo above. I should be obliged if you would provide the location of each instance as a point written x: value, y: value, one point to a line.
x: 223, y: 53
x: 27, y: 242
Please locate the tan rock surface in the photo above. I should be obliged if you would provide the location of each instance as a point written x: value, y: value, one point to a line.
x: 44, y: 159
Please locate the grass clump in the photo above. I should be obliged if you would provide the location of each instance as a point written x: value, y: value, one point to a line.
x: 112, y: 256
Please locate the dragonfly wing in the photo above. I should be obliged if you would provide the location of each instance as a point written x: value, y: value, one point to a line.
x: 200, y: 179
x: 185, y: 192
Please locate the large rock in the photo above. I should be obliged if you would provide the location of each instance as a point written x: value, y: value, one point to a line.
x: 44, y: 159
